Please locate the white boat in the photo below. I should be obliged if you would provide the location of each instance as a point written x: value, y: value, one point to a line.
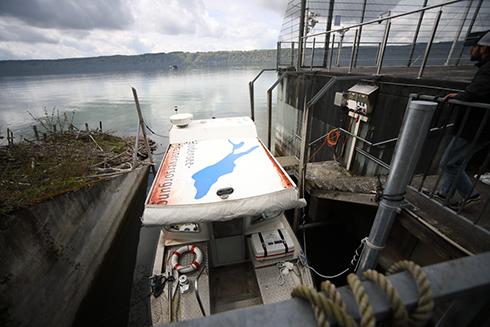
x: 219, y: 198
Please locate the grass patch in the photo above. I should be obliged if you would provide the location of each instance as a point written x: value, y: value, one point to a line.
x: 61, y: 160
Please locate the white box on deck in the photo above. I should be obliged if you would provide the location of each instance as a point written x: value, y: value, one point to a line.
x: 271, y: 244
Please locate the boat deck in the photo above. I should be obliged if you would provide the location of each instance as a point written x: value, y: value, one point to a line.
x: 226, y: 288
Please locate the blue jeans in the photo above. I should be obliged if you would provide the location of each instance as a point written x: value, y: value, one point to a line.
x: 454, y: 163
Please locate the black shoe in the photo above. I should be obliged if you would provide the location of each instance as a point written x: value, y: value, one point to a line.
x: 439, y: 197
x: 471, y: 201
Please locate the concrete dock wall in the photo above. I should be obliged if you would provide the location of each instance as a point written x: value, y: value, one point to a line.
x: 52, y: 250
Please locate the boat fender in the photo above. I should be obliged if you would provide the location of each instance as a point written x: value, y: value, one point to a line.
x: 174, y: 259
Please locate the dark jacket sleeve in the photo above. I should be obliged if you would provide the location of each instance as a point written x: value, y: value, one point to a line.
x: 479, y: 88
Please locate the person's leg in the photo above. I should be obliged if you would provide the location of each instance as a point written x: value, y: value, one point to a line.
x: 454, y: 163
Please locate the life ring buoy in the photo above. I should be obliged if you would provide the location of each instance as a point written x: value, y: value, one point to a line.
x: 174, y: 259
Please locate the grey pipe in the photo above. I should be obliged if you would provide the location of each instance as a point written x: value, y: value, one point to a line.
x: 415, y: 130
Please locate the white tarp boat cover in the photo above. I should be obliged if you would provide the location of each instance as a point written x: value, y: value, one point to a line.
x: 216, y: 170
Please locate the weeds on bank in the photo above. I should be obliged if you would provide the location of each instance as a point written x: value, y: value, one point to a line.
x: 60, y: 159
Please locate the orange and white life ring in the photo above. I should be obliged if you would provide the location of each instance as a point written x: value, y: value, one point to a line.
x: 174, y: 259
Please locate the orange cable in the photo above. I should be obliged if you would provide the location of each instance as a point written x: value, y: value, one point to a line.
x: 331, y: 141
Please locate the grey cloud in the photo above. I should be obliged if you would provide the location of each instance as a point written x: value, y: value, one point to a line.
x: 187, y: 18
x: 25, y: 34
x: 82, y: 15
x: 278, y: 6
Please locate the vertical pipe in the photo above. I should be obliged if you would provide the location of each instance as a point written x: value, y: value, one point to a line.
x: 312, y: 54
x: 331, y: 53
x: 429, y: 44
x: 301, y: 33
x: 305, y: 46
x: 278, y: 53
x: 415, y: 128
x: 269, y: 119
x: 252, y: 106
x: 292, y: 54
x: 305, y: 139
x: 383, y: 46
x: 328, y: 49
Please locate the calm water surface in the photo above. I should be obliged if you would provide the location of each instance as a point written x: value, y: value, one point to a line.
x: 107, y: 97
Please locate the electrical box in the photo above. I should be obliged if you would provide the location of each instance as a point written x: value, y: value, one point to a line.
x: 340, y: 99
x: 361, y: 98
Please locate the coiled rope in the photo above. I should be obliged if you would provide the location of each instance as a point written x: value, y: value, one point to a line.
x: 335, y: 307
x: 423, y: 312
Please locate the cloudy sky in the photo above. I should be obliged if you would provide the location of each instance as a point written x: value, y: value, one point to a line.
x: 52, y: 29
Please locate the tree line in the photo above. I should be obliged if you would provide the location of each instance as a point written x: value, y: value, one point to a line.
x: 135, y: 62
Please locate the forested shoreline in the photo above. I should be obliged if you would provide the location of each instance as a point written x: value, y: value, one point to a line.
x: 135, y: 62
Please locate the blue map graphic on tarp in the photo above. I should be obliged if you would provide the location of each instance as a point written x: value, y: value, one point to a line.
x: 206, y: 177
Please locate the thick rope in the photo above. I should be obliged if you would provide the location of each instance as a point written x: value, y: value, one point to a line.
x: 365, y: 309
x: 325, y: 305
x: 400, y: 315
x: 422, y: 314
x: 336, y: 307
x: 332, y: 293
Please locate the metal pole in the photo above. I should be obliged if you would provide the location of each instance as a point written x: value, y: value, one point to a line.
x: 429, y: 44
x: 301, y: 33
x: 383, y: 46
x: 251, y: 91
x: 458, y: 33
x: 339, y: 51
x: 252, y: 108
x: 278, y: 53
x: 269, y: 110
x: 353, y: 52
x: 292, y: 54
x: 470, y: 27
x: 358, y: 40
x: 416, y: 34
x: 140, y: 115
x: 136, y: 143
x: 408, y: 148
x: 312, y: 54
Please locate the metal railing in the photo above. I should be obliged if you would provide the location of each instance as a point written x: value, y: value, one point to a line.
x: 443, y: 119
x: 391, y: 39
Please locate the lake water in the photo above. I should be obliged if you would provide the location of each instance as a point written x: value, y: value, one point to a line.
x: 205, y: 92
